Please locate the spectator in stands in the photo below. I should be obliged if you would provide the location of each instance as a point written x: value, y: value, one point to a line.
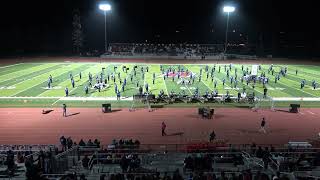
x: 253, y: 148
x: 28, y: 152
x: 63, y: 142
x: 316, y: 161
x: 102, y: 177
x: 41, y: 161
x: 257, y: 176
x: 166, y: 176
x: 124, y: 163
x: 137, y: 143
x: 272, y: 149
x: 10, y: 161
x: 32, y: 171
x: 69, y: 176
x: 69, y: 142
x: 208, y: 163
x: 48, y: 162
x: 121, y: 142
x: 85, y: 162
x: 259, y: 152
x: 265, y: 158
x: 114, y: 142
x: 188, y: 164
x: 82, y: 143
x: 83, y: 177
x: 247, y: 174
x: 176, y: 175
x: 90, y: 143
x: 134, y: 163
x: 277, y: 176
x: 20, y: 157
x: 223, y: 176
x: 97, y: 143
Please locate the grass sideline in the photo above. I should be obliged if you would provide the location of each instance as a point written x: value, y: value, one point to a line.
x: 49, y: 103
x: 30, y: 80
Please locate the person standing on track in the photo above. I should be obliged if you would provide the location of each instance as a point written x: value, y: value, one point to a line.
x: 64, y: 110
x: 212, y: 136
x: 163, y: 129
x: 262, y: 126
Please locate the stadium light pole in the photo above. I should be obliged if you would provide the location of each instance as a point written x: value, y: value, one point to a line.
x: 105, y: 7
x: 228, y: 10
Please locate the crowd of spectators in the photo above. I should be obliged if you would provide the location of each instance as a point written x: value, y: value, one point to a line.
x: 166, y: 49
x: 199, y: 163
x: 118, y: 152
x: 42, y: 165
x: 130, y: 163
x: 16, y: 155
x: 124, y: 144
x: 68, y: 143
x: 198, y: 166
x: 176, y: 175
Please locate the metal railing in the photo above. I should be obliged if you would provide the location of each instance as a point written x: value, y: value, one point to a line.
x: 26, y: 147
x: 252, y: 161
x: 66, y: 160
x: 198, y: 146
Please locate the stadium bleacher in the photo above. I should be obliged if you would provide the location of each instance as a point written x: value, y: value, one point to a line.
x: 128, y: 159
x: 177, y: 50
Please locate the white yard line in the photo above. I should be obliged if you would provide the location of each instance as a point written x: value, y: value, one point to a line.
x: 14, y: 75
x: 110, y: 98
x: 10, y: 65
x: 78, y: 85
x: 73, y: 98
x: 164, y: 82
x: 22, y: 97
x: 188, y: 89
x: 206, y: 85
x: 55, y: 102
x: 296, y: 88
x: 35, y: 84
x: 165, y: 85
x: 144, y: 81
x: 295, y: 99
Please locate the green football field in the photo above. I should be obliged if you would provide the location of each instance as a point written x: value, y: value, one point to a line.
x: 25, y: 84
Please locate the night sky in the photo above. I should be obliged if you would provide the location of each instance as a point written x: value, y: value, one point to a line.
x: 283, y: 28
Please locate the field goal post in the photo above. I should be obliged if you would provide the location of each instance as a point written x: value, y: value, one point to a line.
x: 140, y: 99
x: 256, y: 104
x: 272, y: 104
x: 267, y: 103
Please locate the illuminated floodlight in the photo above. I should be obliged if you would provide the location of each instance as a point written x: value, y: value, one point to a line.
x: 229, y: 9
x: 105, y: 7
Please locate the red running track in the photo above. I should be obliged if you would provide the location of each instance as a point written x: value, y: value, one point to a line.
x: 238, y: 126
